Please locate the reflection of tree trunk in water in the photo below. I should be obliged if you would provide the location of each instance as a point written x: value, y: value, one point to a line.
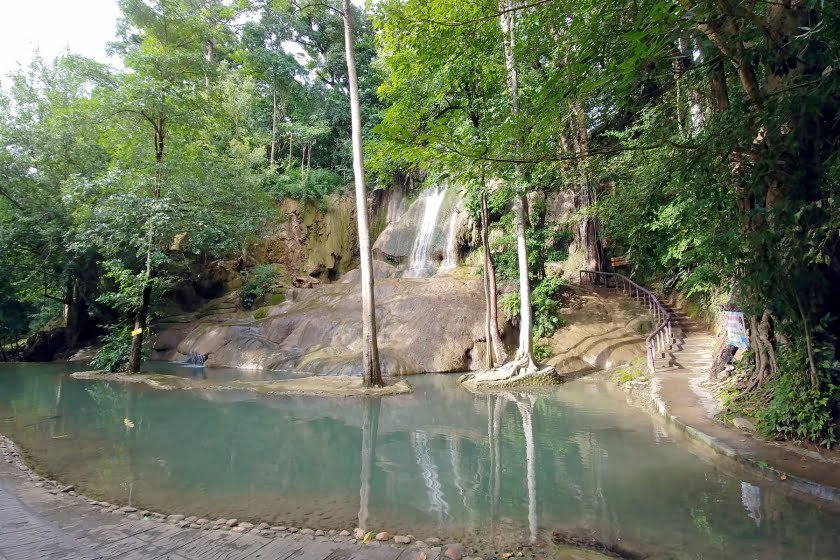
x: 492, y: 438
x: 57, y: 409
x: 525, y: 411
x: 131, y: 430
x: 370, y: 427
x: 455, y: 462
x: 495, y: 454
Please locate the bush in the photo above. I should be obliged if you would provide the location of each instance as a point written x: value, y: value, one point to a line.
x: 545, y: 306
x: 259, y: 282
x: 541, y: 352
x: 261, y: 313
x: 545, y: 300
x: 277, y: 298
x: 114, y: 354
x: 799, y: 411
x: 312, y: 186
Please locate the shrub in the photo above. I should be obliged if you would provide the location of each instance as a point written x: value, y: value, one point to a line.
x: 541, y: 352
x: 277, y: 298
x: 261, y: 313
x: 114, y: 354
x: 799, y: 411
x: 545, y: 306
x: 259, y: 282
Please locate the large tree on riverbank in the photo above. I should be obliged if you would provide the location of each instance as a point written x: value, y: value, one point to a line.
x: 372, y: 372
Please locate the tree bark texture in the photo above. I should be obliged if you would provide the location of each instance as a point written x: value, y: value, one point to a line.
x: 372, y: 373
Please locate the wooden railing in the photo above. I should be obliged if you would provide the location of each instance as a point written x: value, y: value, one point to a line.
x: 661, y: 337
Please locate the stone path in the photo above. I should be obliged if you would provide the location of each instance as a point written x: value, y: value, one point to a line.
x: 38, y: 525
x: 682, y: 394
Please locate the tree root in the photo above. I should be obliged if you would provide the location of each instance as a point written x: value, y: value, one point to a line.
x: 521, y: 371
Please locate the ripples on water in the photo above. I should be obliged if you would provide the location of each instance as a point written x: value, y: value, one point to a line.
x: 489, y: 470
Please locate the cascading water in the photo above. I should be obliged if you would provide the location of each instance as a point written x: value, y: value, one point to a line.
x: 451, y: 258
x: 418, y: 262
x: 196, y: 359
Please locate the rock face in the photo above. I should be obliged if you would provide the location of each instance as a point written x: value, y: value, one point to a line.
x: 428, y: 325
x: 600, y: 332
x: 312, y: 242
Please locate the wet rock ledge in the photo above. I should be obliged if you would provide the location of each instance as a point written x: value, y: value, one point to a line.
x: 338, y: 385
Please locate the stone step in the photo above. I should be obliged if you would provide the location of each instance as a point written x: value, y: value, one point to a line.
x: 687, y: 356
x: 695, y: 342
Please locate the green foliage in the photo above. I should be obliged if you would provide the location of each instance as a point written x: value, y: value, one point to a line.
x: 307, y: 186
x: 277, y: 298
x: 261, y: 313
x: 545, y: 304
x: 542, y: 352
x: 798, y: 410
x: 510, y: 304
x: 260, y: 281
x: 548, y: 243
x: 636, y: 369
x: 115, y: 351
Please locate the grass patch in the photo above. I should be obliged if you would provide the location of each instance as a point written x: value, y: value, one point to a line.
x: 632, y: 371
x: 277, y: 298
x: 261, y: 313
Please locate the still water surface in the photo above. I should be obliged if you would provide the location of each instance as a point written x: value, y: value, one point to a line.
x: 487, y: 470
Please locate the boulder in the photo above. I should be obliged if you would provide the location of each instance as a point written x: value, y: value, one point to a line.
x: 429, y: 325
x: 743, y: 424
x: 381, y: 270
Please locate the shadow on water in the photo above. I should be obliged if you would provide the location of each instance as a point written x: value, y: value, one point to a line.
x: 569, y: 465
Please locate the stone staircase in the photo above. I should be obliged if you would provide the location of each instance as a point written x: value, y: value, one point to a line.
x: 692, y: 348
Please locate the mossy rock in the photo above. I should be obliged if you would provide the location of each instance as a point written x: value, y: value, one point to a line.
x: 261, y: 313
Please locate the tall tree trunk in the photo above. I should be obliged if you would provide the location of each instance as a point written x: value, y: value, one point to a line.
x: 495, y: 349
x: 370, y: 353
x: 526, y: 321
x: 210, y: 58
x: 587, y: 194
x: 524, y: 353
x: 273, y: 151
x: 141, y: 318
x: 717, y: 85
x: 72, y: 312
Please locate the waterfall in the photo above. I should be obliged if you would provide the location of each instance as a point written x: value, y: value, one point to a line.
x: 451, y: 259
x: 196, y: 359
x: 418, y: 262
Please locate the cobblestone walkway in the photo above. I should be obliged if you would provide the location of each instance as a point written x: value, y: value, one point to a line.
x: 36, y: 524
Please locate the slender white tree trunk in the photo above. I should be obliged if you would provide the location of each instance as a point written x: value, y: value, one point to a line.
x: 370, y: 353
x: 273, y: 124
x: 508, y: 23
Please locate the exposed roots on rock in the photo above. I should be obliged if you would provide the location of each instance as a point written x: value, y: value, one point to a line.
x: 521, y: 371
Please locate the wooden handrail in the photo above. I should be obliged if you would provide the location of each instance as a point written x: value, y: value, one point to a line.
x: 661, y: 337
